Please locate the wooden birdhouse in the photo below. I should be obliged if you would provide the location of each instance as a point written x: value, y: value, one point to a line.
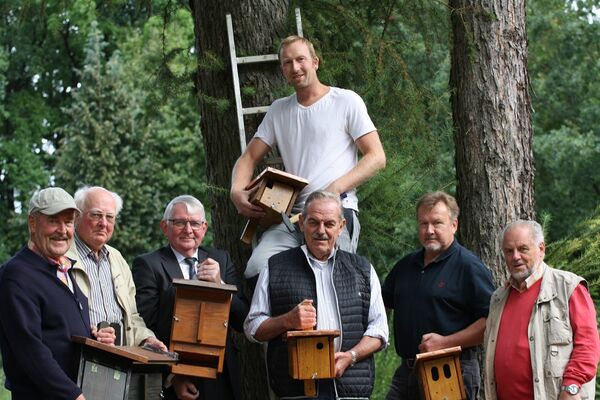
x: 441, y: 375
x: 311, y: 356
x: 199, y: 329
x: 276, y: 193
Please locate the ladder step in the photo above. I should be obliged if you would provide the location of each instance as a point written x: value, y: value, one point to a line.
x: 257, y: 59
x: 254, y: 110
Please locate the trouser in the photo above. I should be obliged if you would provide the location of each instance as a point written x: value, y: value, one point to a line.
x: 279, y: 238
x: 325, y: 391
x: 405, y: 382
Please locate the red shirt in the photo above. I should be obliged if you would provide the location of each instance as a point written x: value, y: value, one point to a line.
x: 512, y: 363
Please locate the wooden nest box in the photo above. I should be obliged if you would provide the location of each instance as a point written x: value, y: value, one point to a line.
x: 441, y: 375
x: 276, y: 193
x: 311, y: 356
x: 199, y: 329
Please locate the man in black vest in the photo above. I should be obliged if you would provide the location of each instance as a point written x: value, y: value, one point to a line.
x: 318, y: 285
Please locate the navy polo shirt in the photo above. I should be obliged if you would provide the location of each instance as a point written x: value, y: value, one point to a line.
x: 445, y: 297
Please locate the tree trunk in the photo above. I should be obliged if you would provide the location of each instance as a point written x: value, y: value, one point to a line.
x: 492, y: 122
x: 257, y: 25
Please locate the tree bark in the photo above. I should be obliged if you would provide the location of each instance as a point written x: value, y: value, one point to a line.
x: 257, y: 25
x: 493, y: 134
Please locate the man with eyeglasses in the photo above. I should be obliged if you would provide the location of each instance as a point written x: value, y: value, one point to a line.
x: 184, y: 225
x: 101, y: 271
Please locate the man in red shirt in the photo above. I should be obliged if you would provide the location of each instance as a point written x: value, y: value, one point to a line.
x: 541, y: 335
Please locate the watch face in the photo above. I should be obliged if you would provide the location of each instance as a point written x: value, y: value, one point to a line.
x: 572, y: 389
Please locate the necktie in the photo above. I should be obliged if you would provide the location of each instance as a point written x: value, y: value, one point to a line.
x: 63, y: 274
x: 191, y: 262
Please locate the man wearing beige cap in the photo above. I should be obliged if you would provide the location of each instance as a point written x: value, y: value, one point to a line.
x: 41, y: 306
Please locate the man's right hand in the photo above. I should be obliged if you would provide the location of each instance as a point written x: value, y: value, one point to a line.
x: 302, y: 317
x: 241, y: 200
x: 104, y: 335
x: 185, y: 388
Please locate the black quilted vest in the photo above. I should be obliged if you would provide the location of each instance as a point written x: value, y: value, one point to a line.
x: 291, y: 280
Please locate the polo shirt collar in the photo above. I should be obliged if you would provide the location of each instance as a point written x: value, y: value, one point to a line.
x: 447, y: 253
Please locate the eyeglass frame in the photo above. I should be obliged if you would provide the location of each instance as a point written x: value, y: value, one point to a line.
x: 182, y: 223
x: 97, y: 216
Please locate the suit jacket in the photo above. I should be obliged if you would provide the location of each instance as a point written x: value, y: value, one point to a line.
x: 153, y: 274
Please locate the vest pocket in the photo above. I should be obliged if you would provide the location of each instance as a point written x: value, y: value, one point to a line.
x: 558, y: 336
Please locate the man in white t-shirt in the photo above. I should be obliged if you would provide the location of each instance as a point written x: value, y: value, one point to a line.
x: 318, y: 131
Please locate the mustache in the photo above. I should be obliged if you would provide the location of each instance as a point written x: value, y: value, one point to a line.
x: 59, y: 237
x: 317, y: 236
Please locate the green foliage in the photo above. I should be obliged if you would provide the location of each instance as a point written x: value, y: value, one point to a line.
x: 395, y: 55
x: 136, y: 144
x: 564, y: 64
x: 567, y: 184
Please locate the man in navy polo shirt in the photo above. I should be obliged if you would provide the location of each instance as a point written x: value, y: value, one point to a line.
x: 440, y: 296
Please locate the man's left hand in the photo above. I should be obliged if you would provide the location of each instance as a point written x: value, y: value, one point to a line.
x: 209, y: 271
x: 432, y: 342
x: 343, y: 360
x: 157, y: 344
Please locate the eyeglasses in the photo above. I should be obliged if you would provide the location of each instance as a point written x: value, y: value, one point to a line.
x: 97, y: 216
x: 182, y: 223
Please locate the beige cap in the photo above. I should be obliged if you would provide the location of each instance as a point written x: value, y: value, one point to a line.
x: 51, y: 201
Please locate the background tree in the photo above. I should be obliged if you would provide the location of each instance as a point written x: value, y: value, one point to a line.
x: 491, y: 114
x: 256, y: 23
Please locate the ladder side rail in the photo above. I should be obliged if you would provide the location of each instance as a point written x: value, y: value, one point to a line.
x: 236, y: 84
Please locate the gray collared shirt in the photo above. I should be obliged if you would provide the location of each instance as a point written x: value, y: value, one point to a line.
x: 102, y: 299
x: 327, y: 311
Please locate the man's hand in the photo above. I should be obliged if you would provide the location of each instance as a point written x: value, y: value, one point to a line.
x: 241, y: 200
x: 104, y: 335
x: 431, y: 342
x: 302, y: 317
x: 209, y: 270
x: 343, y: 360
x: 185, y: 388
x: 154, y: 342
x: 80, y: 397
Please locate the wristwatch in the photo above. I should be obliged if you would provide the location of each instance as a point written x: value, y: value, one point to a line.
x: 571, y: 389
x: 354, y: 357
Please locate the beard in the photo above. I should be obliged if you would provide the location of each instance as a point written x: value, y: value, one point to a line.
x: 433, y: 246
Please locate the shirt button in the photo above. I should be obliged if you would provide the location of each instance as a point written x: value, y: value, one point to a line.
x: 531, y: 338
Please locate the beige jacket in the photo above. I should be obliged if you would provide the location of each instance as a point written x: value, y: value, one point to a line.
x: 134, y: 328
x: 550, y: 333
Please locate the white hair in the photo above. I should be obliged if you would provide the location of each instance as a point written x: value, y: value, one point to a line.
x: 535, y: 229
x: 83, y: 192
x: 192, y: 204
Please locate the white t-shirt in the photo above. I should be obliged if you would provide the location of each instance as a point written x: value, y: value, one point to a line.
x: 317, y: 142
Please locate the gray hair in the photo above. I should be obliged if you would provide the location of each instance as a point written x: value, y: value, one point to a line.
x: 83, y: 192
x: 191, y: 203
x: 535, y: 229
x: 323, y: 195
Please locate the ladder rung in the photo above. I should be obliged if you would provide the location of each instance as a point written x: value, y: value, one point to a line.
x: 254, y: 110
x: 257, y: 59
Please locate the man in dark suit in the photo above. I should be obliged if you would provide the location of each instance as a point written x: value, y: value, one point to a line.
x: 184, y: 224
